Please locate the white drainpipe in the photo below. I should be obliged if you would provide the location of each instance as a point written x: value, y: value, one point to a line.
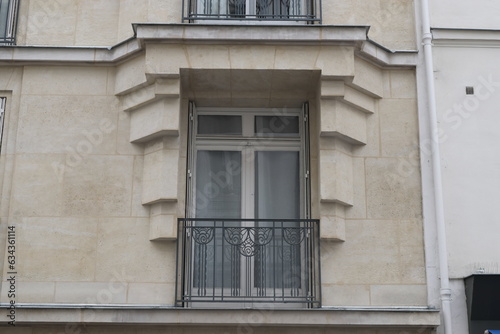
x: 445, y: 291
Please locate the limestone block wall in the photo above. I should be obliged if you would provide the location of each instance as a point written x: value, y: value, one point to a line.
x: 94, y: 169
x: 373, y: 205
x: 108, y: 22
x: 392, y: 22
x: 72, y: 185
x: 89, y: 23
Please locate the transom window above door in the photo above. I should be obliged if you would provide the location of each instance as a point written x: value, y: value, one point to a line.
x: 307, y: 11
x: 248, y: 125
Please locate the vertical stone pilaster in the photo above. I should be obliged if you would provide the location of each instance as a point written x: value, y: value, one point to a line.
x: 343, y: 126
x: 154, y: 121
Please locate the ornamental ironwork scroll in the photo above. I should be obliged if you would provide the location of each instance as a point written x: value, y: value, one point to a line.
x: 249, y: 240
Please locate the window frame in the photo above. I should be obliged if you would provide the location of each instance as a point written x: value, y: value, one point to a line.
x: 8, y: 36
x: 257, y: 142
x: 308, y: 293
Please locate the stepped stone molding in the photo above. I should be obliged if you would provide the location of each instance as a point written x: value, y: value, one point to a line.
x: 150, y: 87
x: 345, y: 106
x: 342, y: 121
x: 157, y: 119
x: 154, y: 107
x: 163, y: 221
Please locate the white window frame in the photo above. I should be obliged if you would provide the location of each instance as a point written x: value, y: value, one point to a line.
x: 249, y: 141
x: 246, y: 143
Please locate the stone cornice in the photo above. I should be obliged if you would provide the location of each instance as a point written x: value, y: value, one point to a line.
x: 372, y: 317
x: 209, y: 34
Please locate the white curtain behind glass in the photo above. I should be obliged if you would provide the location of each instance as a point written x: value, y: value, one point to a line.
x: 277, y: 193
x: 218, y: 196
x: 279, y: 8
x: 213, y: 7
x: 218, y: 184
x: 266, y: 8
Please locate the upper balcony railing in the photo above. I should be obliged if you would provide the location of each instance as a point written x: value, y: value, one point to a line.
x: 299, y: 11
x: 248, y: 261
x: 8, y: 21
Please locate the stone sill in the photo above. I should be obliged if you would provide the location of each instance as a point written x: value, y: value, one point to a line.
x: 373, y: 317
x: 258, y: 33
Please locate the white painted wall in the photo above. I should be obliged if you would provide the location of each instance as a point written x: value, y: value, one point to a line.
x: 477, y: 14
x: 470, y: 150
x: 470, y: 153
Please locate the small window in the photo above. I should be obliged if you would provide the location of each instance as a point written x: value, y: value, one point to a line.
x: 219, y: 125
x: 8, y: 21
x: 277, y: 126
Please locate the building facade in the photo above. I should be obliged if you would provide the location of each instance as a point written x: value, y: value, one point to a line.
x: 214, y: 166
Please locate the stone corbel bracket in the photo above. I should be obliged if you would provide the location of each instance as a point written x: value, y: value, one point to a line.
x: 345, y: 107
x: 154, y: 122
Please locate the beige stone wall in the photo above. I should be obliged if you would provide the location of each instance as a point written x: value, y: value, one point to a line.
x: 392, y: 22
x: 68, y: 22
x: 381, y: 261
x: 72, y: 184
x: 94, y: 168
x: 108, y: 22
x: 89, y: 22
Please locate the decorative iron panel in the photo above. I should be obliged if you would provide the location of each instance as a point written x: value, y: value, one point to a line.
x: 248, y: 261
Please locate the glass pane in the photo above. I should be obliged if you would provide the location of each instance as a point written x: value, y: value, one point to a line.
x: 211, y: 7
x: 280, y: 9
x: 221, y: 8
x: 237, y: 8
x: 277, y: 125
x: 218, y: 196
x: 277, y: 185
x: 4, y: 11
x: 218, y: 184
x: 277, y: 189
x: 219, y: 125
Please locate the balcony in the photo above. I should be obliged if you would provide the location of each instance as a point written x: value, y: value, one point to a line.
x: 8, y: 21
x: 248, y: 261
x: 270, y: 11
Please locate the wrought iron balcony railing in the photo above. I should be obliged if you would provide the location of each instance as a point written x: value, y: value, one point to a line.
x: 248, y: 261
x: 308, y: 11
x: 8, y: 21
